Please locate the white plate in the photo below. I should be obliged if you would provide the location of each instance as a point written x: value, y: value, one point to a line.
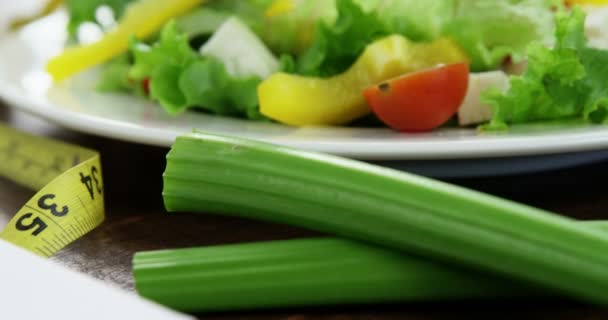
x: 74, y: 104
x: 60, y: 293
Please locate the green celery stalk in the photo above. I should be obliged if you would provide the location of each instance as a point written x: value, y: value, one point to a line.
x: 209, y: 173
x: 307, y: 272
x: 303, y: 272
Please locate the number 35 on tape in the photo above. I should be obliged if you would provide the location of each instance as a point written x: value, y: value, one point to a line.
x: 70, y: 200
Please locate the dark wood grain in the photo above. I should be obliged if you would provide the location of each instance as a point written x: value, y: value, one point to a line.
x: 136, y: 221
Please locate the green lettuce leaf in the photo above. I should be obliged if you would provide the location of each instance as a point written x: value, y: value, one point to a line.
x: 164, y: 88
x: 171, y: 48
x: 566, y: 81
x: 489, y: 31
x: 336, y: 46
x: 290, y: 32
x: 207, y: 84
x: 415, y: 19
x: 180, y: 78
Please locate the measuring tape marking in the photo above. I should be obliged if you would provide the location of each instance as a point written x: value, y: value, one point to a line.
x: 70, y: 202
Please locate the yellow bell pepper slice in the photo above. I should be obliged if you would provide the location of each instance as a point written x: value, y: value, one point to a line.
x: 303, y: 101
x: 141, y: 19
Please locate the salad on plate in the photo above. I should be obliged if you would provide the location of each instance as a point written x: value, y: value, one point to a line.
x: 411, y: 65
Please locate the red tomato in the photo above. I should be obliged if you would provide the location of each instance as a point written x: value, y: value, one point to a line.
x: 420, y: 101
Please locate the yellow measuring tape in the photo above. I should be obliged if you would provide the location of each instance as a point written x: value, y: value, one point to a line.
x: 70, y: 202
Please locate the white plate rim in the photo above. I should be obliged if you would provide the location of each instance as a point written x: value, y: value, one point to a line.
x: 589, y: 140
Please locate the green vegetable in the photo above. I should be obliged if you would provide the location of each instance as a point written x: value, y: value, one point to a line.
x: 303, y: 272
x: 115, y: 75
x: 81, y: 11
x: 209, y: 173
x: 337, y: 45
x: 343, y: 29
x: 180, y: 78
x: 417, y: 20
x: 172, y: 48
x: 489, y: 31
x: 305, y: 101
x: 320, y: 38
x: 296, y: 27
x: 566, y: 81
x: 206, y: 83
x: 288, y: 33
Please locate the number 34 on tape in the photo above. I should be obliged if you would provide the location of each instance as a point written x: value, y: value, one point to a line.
x: 69, y: 202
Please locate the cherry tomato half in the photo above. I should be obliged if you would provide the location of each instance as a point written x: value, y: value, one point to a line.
x: 420, y: 101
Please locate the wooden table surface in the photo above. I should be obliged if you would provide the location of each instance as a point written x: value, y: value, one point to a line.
x: 136, y: 221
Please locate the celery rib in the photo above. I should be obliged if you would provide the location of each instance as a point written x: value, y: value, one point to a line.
x: 386, y: 207
x: 302, y: 272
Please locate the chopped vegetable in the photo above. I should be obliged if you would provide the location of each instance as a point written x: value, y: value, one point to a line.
x: 415, y: 19
x: 241, y: 51
x: 324, y: 58
x: 141, y: 19
x: 420, y: 101
x: 489, y: 31
x: 304, y: 272
x: 300, y: 100
x: 172, y: 48
x: 472, y: 110
x: 208, y: 85
x: 296, y: 26
x: 180, y: 78
x: 337, y: 46
x: 209, y: 173
x: 567, y: 81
